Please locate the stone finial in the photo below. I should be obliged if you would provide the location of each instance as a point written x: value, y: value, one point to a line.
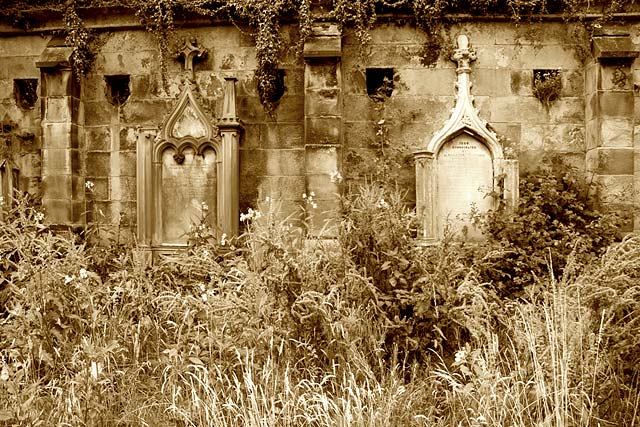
x: 464, y: 117
x: 463, y: 55
x: 229, y: 115
x: 190, y: 51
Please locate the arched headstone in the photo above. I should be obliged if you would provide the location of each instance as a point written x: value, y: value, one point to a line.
x: 462, y: 172
x: 464, y: 183
x: 189, y: 193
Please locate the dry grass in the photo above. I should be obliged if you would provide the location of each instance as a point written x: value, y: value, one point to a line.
x: 216, y: 338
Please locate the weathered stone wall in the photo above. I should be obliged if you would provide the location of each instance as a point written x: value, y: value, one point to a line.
x: 272, y: 150
x: 295, y: 149
x: 502, y: 80
x: 20, y: 125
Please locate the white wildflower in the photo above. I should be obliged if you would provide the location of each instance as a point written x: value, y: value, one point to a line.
x: 89, y: 185
x: 39, y: 217
x: 314, y: 205
x: 223, y: 239
x: 461, y: 356
x: 68, y: 279
x: 96, y: 369
x: 336, y: 177
x: 382, y: 204
x: 4, y: 375
x: 251, y: 214
x: 83, y: 273
x: 205, y: 253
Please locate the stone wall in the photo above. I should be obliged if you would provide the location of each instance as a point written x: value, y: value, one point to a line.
x: 502, y: 86
x: 327, y: 126
x: 20, y: 133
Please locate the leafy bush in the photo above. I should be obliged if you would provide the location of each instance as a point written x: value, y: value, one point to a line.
x: 555, y: 216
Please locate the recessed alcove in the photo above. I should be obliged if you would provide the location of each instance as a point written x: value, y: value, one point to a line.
x: 25, y: 92
x: 188, y: 174
x: 117, y: 89
x: 380, y: 82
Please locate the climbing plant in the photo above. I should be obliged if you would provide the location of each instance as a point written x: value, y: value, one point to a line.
x: 264, y: 19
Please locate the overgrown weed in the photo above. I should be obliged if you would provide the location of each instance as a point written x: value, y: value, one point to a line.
x: 271, y: 329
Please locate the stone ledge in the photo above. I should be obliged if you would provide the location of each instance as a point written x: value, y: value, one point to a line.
x: 614, y: 47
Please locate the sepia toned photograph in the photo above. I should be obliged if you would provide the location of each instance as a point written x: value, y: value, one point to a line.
x: 319, y: 213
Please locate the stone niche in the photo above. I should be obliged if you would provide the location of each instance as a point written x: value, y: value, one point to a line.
x: 188, y: 174
x: 462, y: 172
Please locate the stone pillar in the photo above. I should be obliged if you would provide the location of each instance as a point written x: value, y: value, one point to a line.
x: 323, y: 126
x: 425, y: 193
x: 609, y: 115
x: 230, y: 126
x: 144, y: 186
x: 62, y: 172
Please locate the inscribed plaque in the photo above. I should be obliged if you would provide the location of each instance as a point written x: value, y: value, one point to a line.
x: 465, y: 179
x: 188, y: 193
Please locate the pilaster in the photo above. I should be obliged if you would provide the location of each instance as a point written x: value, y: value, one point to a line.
x: 323, y: 126
x: 609, y: 101
x: 230, y: 127
x: 62, y: 172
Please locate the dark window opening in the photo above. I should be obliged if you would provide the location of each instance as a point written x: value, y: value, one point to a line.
x: 25, y: 92
x: 540, y: 76
x: 117, y: 89
x: 379, y: 83
x: 278, y: 86
x: 547, y: 86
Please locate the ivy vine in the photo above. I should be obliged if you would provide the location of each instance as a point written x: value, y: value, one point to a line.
x: 265, y: 18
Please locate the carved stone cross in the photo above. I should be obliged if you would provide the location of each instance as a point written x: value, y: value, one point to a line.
x: 190, y: 51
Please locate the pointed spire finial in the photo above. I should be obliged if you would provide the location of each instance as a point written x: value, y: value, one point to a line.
x: 463, y: 55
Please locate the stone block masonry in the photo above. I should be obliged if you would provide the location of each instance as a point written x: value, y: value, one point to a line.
x: 325, y: 127
x: 609, y: 100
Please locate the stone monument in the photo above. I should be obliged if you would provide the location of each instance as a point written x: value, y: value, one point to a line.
x: 462, y: 171
x: 188, y: 170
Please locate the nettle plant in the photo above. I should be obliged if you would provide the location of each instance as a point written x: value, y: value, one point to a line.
x: 265, y: 18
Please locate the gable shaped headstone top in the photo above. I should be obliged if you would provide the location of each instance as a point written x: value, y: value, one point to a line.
x: 462, y: 171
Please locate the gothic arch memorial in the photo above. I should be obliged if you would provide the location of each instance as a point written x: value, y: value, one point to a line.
x: 188, y: 171
x: 462, y: 171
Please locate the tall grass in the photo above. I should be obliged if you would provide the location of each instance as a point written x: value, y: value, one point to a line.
x: 277, y: 331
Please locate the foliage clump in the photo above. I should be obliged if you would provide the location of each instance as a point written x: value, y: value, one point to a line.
x: 557, y: 216
x: 279, y: 326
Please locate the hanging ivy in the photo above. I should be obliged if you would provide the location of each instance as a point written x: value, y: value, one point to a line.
x: 264, y: 18
x: 79, y: 37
